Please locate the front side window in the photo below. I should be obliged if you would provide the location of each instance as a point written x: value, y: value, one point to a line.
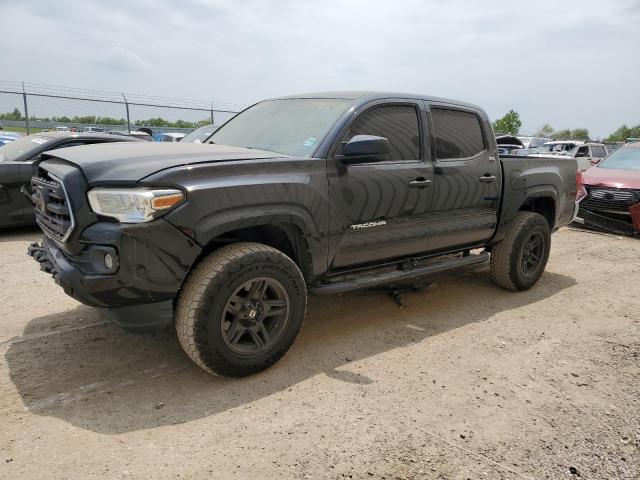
x: 598, y: 151
x: 458, y: 134
x: 293, y: 126
x: 397, y: 123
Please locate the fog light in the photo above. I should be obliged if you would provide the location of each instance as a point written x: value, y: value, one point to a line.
x: 108, y: 261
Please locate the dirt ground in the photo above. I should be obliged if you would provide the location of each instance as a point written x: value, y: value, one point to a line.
x: 467, y: 381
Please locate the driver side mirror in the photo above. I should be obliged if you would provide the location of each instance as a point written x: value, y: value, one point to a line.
x: 595, y: 161
x: 365, y: 149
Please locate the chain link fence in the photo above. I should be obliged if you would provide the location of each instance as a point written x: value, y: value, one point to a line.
x: 31, y: 108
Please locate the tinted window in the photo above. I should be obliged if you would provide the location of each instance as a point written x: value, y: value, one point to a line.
x: 396, y: 123
x: 458, y: 134
x: 598, y: 152
x: 582, y: 152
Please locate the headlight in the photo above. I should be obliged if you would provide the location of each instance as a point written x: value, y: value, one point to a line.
x: 133, y: 205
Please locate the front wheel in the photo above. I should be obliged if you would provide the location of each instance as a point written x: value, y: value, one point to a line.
x: 518, y: 261
x: 241, y: 309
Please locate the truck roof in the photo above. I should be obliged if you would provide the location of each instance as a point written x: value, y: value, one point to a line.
x: 363, y: 96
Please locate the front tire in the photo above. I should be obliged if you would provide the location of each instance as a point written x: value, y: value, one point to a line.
x: 519, y: 260
x: 241, y: 309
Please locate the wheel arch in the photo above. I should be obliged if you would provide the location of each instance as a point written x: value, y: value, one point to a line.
x: 542, y: 199
x: 288, y: 228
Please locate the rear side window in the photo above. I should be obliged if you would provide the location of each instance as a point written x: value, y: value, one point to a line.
x: 458, y: 134
x: 397, y: 123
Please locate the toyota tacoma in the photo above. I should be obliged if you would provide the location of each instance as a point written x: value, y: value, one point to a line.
x: 320, y: 193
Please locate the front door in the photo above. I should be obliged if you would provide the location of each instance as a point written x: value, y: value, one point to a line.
x: 378, y: 209
x: 467, y: 178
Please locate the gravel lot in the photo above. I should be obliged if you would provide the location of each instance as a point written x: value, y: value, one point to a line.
x: 467, y: 381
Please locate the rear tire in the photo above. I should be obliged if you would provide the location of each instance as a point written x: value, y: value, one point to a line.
x: 241, y: 309
x: 519, y: 260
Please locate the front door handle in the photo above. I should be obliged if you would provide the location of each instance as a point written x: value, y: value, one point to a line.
x: 419, y: 182
x: 487, y: 179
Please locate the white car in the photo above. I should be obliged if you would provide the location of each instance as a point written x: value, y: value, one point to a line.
x: 586, y: 153
x: 61, y: 129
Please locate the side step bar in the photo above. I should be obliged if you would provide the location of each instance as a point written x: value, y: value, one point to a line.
x: 372, y: 280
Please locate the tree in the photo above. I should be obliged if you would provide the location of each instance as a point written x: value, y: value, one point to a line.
x: 15, y: 115
x: 562, y: 134
x: 545, y: 131
x: 580, y: 134
x: 510, y: 123
x: 624, y: 132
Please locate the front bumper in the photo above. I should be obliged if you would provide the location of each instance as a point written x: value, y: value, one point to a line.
x: 151, y: 262
x: 606, y: 223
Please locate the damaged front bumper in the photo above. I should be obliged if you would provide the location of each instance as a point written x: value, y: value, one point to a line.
x: 130, y: 275
x: 611, y: 222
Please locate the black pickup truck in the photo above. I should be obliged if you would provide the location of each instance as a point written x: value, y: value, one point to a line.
x: 323, y: 193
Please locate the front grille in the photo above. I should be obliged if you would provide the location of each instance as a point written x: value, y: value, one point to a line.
x: 608, y: 208
x: 53, y: 212
x: 610, y: 199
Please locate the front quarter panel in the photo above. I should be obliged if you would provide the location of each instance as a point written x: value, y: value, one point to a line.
x: 227, y: 196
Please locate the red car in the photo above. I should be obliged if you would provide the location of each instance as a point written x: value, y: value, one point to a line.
x: 609, y: 192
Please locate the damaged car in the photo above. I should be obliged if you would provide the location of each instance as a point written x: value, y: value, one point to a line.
x: 610, y: 192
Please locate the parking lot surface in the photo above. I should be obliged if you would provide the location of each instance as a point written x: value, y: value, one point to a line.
x: 467, y: 381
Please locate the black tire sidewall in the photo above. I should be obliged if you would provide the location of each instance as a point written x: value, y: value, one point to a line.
x: 534, y: 224
x: 262, y: 264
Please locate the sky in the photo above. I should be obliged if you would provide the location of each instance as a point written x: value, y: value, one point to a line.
x: 568, y: 63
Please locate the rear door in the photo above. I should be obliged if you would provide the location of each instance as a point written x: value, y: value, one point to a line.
x: 467, y: 177
x: 379, y: 209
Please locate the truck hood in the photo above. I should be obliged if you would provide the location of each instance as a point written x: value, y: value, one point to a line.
x: 126, y: 163
x: 612, y: 177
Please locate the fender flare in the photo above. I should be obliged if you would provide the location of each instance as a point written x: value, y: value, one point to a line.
x: 285, y: 216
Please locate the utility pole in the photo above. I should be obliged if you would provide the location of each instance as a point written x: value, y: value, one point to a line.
x: 26, y: 109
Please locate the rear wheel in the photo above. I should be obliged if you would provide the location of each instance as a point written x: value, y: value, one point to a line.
x: 519, y: 260
x: 241, y: 309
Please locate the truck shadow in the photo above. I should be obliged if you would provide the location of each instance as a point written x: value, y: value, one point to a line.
x: 94, y: 376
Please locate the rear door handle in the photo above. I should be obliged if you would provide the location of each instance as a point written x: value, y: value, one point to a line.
x: 419, y: 182
x: 487, y: 179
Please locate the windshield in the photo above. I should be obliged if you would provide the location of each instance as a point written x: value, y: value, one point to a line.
x: 293, y: 126
x: 623, y: 158
x: 13, y: 151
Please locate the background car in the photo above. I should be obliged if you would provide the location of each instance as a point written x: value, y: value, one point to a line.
x: 61, y: 129
x: 199, y: 135
x: 16, y: 169
x: 533, y: 142
x: 508, y: 144
x: 93, y: 130
x: 134, y: 133
x: 583, y: 152
x: 4, y: 140
x: 168, y: 137
x: 611, y: 192
x: 14, y: 135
